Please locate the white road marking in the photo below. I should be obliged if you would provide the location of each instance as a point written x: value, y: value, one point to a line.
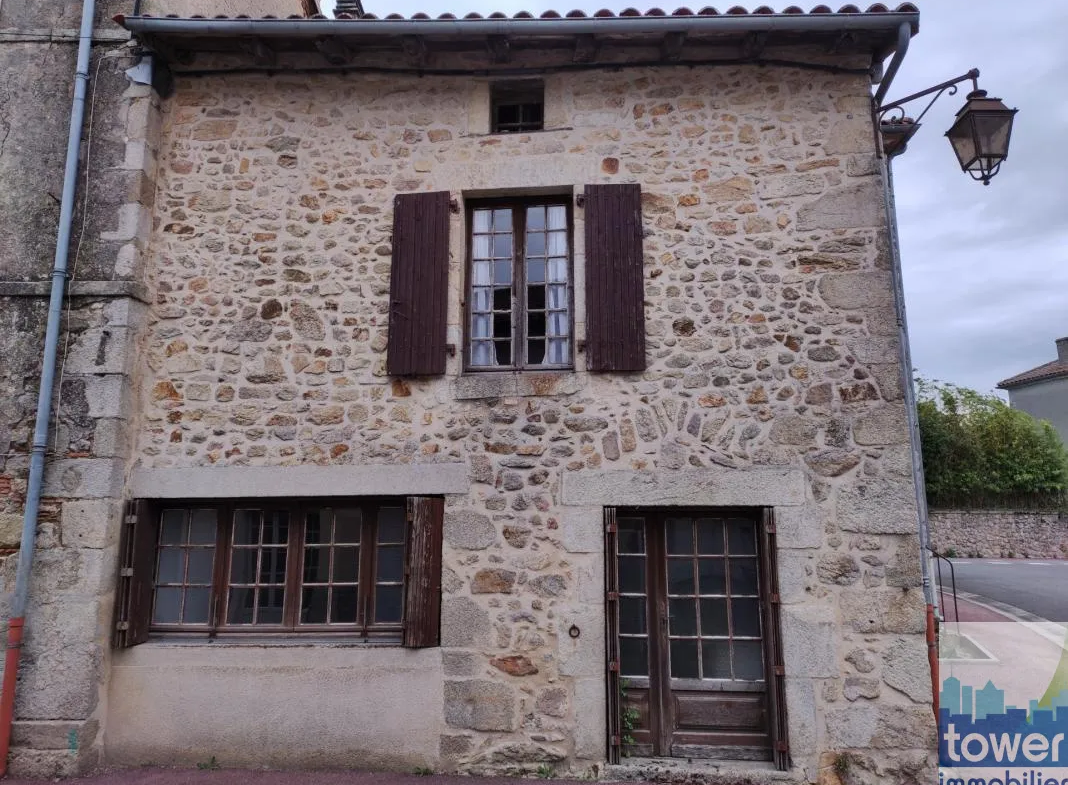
x: 1040, y: 563
x: 999, y: 562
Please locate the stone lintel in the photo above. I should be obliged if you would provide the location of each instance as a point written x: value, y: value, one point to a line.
x: 259, y: 481
x: 134, y: 289
x: 717, y: 486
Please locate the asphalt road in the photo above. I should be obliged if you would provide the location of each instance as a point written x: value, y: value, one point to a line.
x: 1037, y: 586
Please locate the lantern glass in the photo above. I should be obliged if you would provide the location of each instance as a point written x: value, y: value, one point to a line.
x: 980, y: 135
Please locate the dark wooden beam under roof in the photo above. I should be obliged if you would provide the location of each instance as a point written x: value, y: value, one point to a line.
x: 586, y: 48
x: 499, y: 47
x: 258, y: 49
x: 671, y: 46
x: 753, y: 44
x: 335, y: 50
x: 415, y: 47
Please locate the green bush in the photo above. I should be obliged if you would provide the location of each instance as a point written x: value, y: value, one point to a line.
x: 977, y: 448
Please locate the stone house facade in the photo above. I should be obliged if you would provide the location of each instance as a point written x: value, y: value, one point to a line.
x: 487, y: 397
x: 1042, y: 392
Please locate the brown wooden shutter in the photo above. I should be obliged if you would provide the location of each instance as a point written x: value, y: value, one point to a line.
x: 422, y: 613
x: 137, y: 564
x: 769, y: 589
x: 611, y: 605
x: 615, y: 286
x: 419, y: 284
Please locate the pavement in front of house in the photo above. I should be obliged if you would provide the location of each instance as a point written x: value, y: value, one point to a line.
x: 162, y: 776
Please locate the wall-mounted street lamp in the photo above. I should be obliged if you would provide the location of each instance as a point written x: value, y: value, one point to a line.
x: 979, y: 136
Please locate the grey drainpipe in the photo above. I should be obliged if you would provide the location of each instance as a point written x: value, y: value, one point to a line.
x: 48, y: 373
x: 315, y: 28
x: 904, y: 35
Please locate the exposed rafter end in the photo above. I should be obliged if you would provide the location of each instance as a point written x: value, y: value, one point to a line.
x: 258, y: 50
x: 335, y: 51
x: 844, y: 40
x: 500, y: 48
x: 671, y: 46
x: 415, y: 48
x: 586, y: 48
x: 753, y: 44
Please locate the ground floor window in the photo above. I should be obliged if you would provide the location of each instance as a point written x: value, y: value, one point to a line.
x: 366, y: 568
x: 695, y: 663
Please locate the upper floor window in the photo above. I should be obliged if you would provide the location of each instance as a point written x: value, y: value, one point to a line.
x: 517, y: 106
x: 519, y: 285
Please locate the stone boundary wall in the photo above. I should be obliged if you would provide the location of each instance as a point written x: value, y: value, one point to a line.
x: 1001, y: 533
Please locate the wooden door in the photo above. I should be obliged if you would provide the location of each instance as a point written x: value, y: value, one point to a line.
x: 692, y: 616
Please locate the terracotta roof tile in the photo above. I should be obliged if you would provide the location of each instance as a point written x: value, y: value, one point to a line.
x: 1051, y: 370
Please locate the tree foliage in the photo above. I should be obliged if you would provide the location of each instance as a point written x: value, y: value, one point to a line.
x: 976, y: 447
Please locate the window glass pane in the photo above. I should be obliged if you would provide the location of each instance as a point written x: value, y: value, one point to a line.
x: 273, y: 565
x: 480, y: 326
x: 712, y: 576
x: 709, y: 535
x: 202, y: 525
x: 502, y: 299
x: 741, y: 536
x: 503, y: 351
x: 535, y: 352
x: 201, y: 561
x: 743, y: 576
x: 557, y: 216
x: 346, y: 565
x: 558, y: 323
x: 170, y: 567
x: 535, y: 218
x: 246, y: 527
x: 276, y: 527
x: 557, y: 244
x: 480, y: 273
x: 481, y: 247
x: 243, y: 565
x: 502, y: 249
x: 680, y: 576
x: 684, y: 659
x: 748, y: 660
x: 716, y: 659
x: 313, y: 605
x: 633, y: 657
x: 558, y: 297
x: 536, y: 274
x: 679, y: 535
x: 632, y: 574
x: 391, y: 524
x: 631, y: 535
x: 388, y: 603
x: 481, y: 299
x: 481, y: 353
x: 502, y: 271
x: 482, y: 219
x: 558, y: 351
x: 317, y: 526
x: 316, y: 565
x: 168, y: 606
x: 558, y: 270
x: 535, y: 244
x: 682, y: 617
x: 172, y: 527
x: 343, y: 605
x: 536, y: 324
x: 270, y: 610
x: 632, y: 615
x: 536, y: 297
x: 745, y: 618
x: 502, y: 325
x: 347, y: 525
x: 714, y: 617
x: 240, y: 608
x: 197, y: 602
x: 390, y: 563
x: 502, y: 220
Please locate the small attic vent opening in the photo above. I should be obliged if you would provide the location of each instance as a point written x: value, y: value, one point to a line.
x: 517, y: 106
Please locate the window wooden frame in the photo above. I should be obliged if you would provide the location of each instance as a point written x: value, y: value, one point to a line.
x: 217, y: 626
x: 518, y: 206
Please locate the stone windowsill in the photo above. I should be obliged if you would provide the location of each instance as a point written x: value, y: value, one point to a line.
x: 255, y: 641
x: 473, y: 386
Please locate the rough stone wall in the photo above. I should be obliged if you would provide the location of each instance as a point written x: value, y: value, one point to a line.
x: 65, y: 653
x: 773, y: 374
x: 1000, y: 533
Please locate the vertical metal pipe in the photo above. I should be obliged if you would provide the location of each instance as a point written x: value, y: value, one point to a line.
x: 48, y: 373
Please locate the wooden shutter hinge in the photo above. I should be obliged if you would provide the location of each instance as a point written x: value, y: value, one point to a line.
x: 613, y: 666
x: 131, y: 518
x: 580, y: 200
x: 770, y: 527
x: 450, y: 349
x: 615, y: 740
x: 779, y: 670
x: 126, y: 572
x: 774, y: 598
x: 611, y: 528
x: 782, y: 746
x: 454, y: 205
x: 612, y: 596
x: 122, y: 626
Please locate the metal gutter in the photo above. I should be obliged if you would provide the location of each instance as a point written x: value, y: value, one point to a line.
x: 44, y: 395
x: 317, y: 28
x: 904, y: 35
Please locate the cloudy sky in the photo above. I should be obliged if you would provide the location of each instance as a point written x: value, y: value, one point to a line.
x: 985, y: 267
